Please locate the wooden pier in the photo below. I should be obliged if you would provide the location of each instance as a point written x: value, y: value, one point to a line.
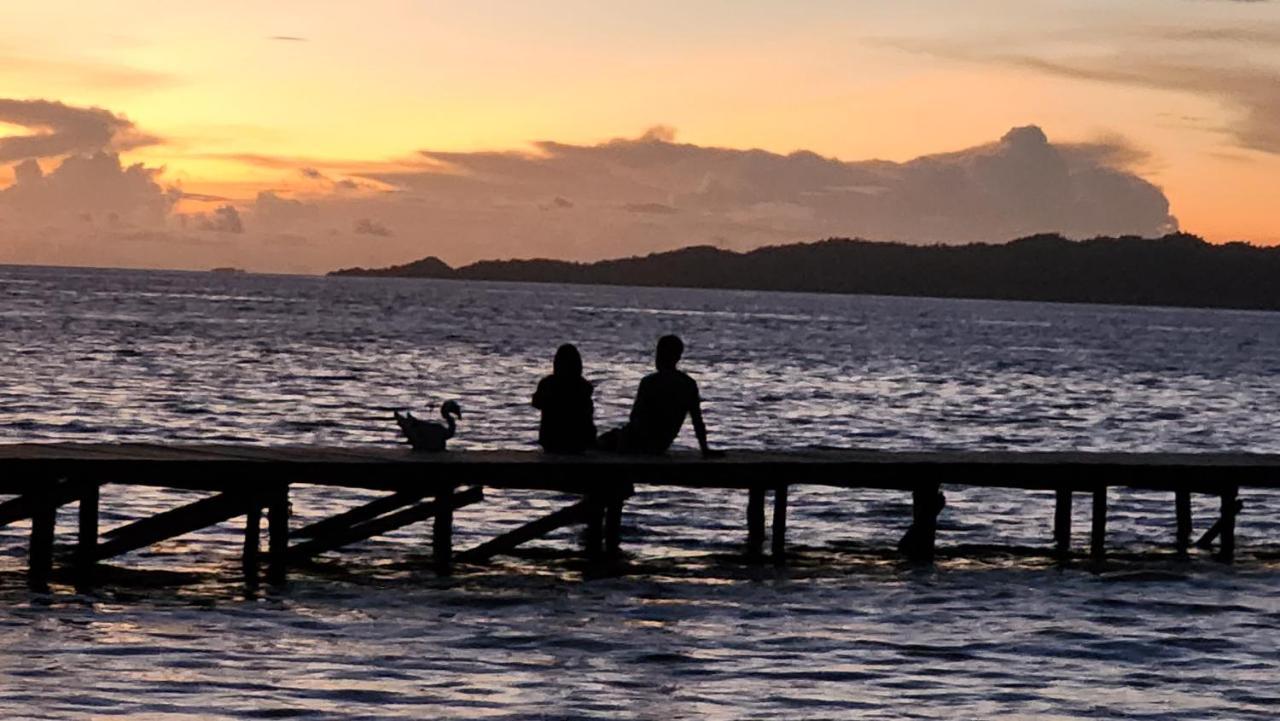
x: 245, y: 481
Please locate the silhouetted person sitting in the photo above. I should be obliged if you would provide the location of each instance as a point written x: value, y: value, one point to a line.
x: 564, y: 397
x: 662, y: 402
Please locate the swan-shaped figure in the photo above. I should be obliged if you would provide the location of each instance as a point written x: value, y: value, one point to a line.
x: 430, y: 435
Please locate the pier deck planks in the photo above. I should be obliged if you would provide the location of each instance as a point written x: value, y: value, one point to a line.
x: 231, y: 467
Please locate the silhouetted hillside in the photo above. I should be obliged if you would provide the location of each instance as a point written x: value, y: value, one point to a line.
x: 1178, y: 270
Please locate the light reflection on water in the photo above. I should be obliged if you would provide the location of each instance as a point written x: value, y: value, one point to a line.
x: 685, y: 630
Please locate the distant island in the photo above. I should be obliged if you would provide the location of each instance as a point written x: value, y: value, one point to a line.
x: 1175, y: 270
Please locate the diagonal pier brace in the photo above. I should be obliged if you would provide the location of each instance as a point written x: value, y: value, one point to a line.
x: 363, y: 513
x: 579, y: 512
x: 347, y: 535
x: 175, y: 522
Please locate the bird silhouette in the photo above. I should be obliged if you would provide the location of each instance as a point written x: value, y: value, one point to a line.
x: 430, y: 435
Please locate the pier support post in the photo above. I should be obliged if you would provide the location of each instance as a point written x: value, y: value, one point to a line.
x: 593, y: 531
x: 613, y: 525
x: 755, y: 522
x: 1225, y: 526
x: 1098, y: 534
x: 249, y: 561
x: 278, y: 534
x: 1230, y: 507
x: 1182, y: 504
x: 918, y: 543
x: 87, y: 543
x: 780, y: 525
x: 40, y: 552
x: 442, y: 533
x: 1062, y: 523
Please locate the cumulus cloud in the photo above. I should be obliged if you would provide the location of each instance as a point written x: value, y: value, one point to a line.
x: 94, y: 187
x: 224, y: 219
x: 274, y: 212
x: 581, y: 202
x: 651, y: 193
x: 60, y: 129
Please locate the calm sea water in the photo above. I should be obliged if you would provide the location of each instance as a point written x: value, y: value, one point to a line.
x: 684, y: 629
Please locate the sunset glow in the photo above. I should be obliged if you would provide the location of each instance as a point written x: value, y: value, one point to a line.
x: 328, y: 103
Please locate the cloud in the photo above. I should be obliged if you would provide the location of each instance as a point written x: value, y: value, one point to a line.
x: 1252, y: 93
x: 77, y: 74
x: 273, y: 212
x: 1202, y: 61
x: 366, y: 226
x: 224, y: 219
x: 289, y: 38
x: 680, y: 194
x: 63, y: 129
x: 618, y: 197
x: 655, y: 208
x: 95, y: 188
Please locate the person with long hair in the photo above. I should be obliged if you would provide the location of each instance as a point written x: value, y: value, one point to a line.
x: 568, y: 413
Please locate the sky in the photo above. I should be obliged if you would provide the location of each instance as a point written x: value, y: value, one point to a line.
x: 298, y: 136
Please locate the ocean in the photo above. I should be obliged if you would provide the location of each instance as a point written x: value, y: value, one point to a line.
x: 685, y: 628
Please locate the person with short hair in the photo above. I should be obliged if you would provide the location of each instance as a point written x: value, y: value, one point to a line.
x: 662, y: 402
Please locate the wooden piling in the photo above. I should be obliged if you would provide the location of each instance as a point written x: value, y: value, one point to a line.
x: 755, y: 522
x: 779, y: 539
x: 249, y: 561
x: 1062, y: 523
x: 40, y: 552
x: 593, y: 532
x: 919, y: 542
x: 1182, y: 503
x: 1098, y: 534
x: 278, y: 534
x: 87, y: 543
x: 613, y: 526
x: 1230, y: 507
x: 442, y: 533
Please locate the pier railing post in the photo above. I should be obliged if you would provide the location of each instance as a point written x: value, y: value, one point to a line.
x: 1182, y: 503
x: 1062, y: 523
x: 442, y: 532
x: 780, y: 524
x: 755, y: 522
x: 1098, y: 534
x: 87, y: 543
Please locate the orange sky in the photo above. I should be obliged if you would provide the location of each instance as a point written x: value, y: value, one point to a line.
x: 240, y: 95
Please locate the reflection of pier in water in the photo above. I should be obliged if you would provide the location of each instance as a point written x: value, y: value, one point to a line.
x: 245, y: 480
